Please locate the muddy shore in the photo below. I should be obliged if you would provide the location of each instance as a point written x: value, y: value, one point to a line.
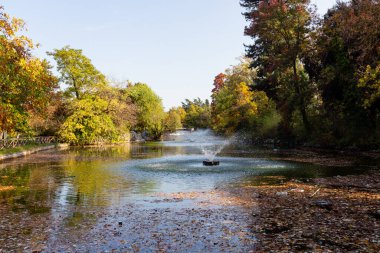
x: 338, y: 214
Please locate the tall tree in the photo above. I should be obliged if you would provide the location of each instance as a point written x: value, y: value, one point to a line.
x: 26, y: 82
x: 77, y: 72
x: 86, y: 87
x: 280, y: 30
x: 150, y: 111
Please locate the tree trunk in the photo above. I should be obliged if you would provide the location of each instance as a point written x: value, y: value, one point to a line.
x: 302, y: 104
x: 76, y: 89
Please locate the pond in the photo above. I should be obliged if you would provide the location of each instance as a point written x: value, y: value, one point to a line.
x: 141, y: 197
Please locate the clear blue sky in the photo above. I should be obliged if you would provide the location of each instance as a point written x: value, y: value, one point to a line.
x: 175, y: 46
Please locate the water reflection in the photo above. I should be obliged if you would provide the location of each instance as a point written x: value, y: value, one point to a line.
x: 32, y: 187
x: 113, y: 176
x: 80, y: 177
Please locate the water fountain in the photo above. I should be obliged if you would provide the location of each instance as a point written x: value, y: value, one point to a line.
x: 211, y: 151
x: 209, y: 144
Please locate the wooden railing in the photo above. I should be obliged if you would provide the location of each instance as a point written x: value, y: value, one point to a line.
x: 15, y: 142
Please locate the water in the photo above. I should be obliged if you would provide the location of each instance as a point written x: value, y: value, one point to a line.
x: 161, y: 191
x: 210, y: 144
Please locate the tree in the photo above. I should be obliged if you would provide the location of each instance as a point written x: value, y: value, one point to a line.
x: 218, y: 82
x: 281, y: 33
x: 120, y: 107
x: 344, y: 66
x: 85, y: 87
x: 198, y: 113
x: 150, y: 111
x: 49, y: 122
x: 26, y: 82
x: 173, y: 119
x: 370, y: 83
x: 77, y: 72
x: 89, y: 123
x: 235, y: 106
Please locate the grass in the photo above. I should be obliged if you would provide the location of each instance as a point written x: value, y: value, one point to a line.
x: 9, y: 151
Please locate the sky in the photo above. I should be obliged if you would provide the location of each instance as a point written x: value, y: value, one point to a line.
x: 177, y: 47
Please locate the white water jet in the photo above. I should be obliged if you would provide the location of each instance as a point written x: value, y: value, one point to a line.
x: 210, y: 144
x: 211, y: 151
x: 205, y: 140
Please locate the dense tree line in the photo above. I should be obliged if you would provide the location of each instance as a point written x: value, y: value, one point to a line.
x: 305, y: 79
x: 193, y: 114
x: 311, y: 80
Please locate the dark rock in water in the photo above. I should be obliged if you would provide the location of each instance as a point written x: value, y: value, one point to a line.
x: 137, y: 137
x: 324, y: 204
x: 210, y: 163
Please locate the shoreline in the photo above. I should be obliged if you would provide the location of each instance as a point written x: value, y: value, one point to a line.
x: 322, y: 157
x: 30, y: 151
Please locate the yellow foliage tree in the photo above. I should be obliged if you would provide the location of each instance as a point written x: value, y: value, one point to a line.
x: 370, y: 84
x: 235, y: 106
x: 26, y: 82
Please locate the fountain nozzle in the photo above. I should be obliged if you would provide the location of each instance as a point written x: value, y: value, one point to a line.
x: 210, y: 163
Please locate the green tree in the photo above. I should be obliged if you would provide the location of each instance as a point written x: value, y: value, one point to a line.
x: 120, y: 108
x: 198, y: 113
x: 150, y: 111
x: 173, y: 119
x: 89, y: 123
x: 77, y: 72
x: 26, y: 82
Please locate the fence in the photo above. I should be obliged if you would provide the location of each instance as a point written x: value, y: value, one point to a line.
x: 15, y: 142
